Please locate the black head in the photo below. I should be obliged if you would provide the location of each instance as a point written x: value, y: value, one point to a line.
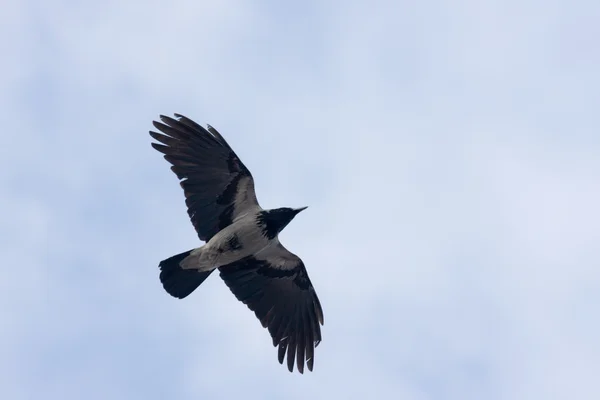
x: 275, y: 220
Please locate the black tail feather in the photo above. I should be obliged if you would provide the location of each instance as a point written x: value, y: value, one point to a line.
x: 179, y: 282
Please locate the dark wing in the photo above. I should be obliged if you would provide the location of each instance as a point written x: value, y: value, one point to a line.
x: 217, y: 185
x: 275, y: 285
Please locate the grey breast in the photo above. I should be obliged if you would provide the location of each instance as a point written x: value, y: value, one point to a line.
x: 241, y: 239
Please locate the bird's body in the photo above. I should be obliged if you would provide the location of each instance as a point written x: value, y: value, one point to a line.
x: 247, y: 235
x: 234, y: 242
x: 241, y: 240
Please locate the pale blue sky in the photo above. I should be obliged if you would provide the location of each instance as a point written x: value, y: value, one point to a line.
x: 449, y: 153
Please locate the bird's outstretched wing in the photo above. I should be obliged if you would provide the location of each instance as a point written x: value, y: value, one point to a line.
x: 217, y: 185
x: 275, y: 285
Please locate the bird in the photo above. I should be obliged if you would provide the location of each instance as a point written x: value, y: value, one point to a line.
x: 241, y: 240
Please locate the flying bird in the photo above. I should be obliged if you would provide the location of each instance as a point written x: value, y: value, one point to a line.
x: 241, y: 240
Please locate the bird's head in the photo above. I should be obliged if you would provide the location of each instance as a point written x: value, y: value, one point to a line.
x: 277, y: 219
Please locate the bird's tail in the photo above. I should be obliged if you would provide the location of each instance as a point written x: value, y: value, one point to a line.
x: 179, y: 282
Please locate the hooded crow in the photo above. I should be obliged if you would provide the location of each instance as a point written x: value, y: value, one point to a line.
x: 241, y: 240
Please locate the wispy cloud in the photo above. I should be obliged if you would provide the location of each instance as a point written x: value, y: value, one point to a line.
x: 448, y: 153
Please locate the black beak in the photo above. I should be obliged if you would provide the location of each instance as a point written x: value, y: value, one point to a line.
x: 297, y: 210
